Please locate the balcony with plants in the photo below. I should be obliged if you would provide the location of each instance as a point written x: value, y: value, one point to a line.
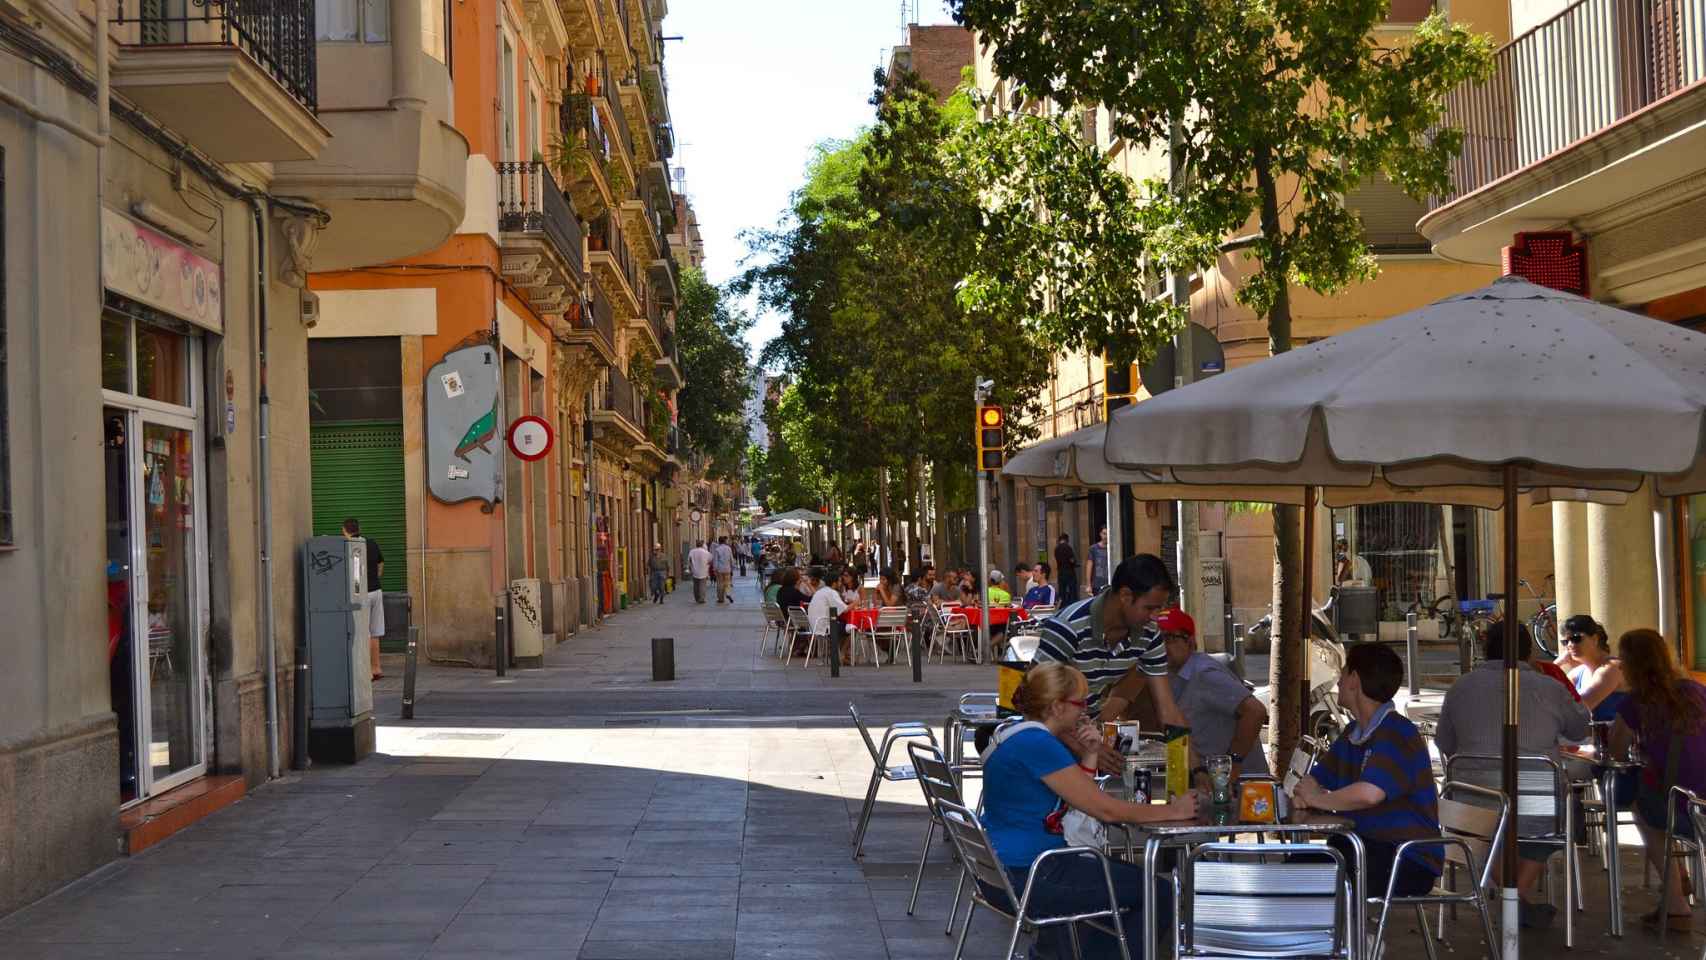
x: 237, y: 78
x: 612, y: 265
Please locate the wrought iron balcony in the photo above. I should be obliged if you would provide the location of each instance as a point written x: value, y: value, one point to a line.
x: 530, y: 202
x: 1578, y: 74
x: 613, y: 264
x: 278, y: 35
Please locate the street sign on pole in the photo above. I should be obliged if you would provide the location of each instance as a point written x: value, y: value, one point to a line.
x: 980, y: 392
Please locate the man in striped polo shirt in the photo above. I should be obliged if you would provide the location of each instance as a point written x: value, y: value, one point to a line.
x: 1378, y: 774
x: 1112, y: 640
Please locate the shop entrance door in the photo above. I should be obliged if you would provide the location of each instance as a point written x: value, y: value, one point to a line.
x: 154, y: 597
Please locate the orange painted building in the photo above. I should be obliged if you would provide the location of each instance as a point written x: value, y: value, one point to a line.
x: 562, y: 267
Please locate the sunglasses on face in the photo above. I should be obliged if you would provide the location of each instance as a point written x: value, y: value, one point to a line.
x: 1574, y: 637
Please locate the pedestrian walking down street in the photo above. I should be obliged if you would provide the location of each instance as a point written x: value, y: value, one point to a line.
x: 375, y: 599
x: 741, y: 558
x: 1066, y: 561
x: 723, y: 561
x: 660, y: 572
x: 758, y: 557
x: 699, y: 566
x: 1099, y: 568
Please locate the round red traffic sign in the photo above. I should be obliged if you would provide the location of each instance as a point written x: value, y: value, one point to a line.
x: 530, y: 438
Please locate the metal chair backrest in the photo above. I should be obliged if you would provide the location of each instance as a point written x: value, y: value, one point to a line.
x: 1302, y: 761
x: 891, y: 618
x: 773, y: 615
x: 935, y: 775
x: 871, y: 745
x: 976, y: 852
x: 1043, y: 611
x: 1274, y: 900
x: 797, y: 618
x: 1542, y: 788
x: 1478, y: 821
x: 956, y: 622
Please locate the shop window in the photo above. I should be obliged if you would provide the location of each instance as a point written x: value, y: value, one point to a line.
x: 162, y: 365
x: 115, y: 353
x: 145, y: 353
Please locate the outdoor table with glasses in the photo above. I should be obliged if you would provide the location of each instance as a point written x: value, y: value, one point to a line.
x: 998, y: 616
x: 1587, y: 764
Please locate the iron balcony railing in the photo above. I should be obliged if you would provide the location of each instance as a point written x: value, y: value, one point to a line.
x: 277, y: 34
x: 603, y: 318
x: 581, y: 125
x: 529, y: 201
x: 1581, y: 72
x: 621, y: 397
x: 654, y: 315
x: 606, y: 236
x: 613, y: 97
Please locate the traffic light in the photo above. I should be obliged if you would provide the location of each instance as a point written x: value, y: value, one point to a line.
x: 991, y: 437
x: 1119, y: 386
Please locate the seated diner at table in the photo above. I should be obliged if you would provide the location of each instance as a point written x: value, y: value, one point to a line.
x: 1587, y: 659
x: 791, y: 595
x: 1666, y: 709
x: 1378, y: 774
x: 1111, y: 640
x: 1037, y: 763
x: 1041, y: 592
x: 773, y: 588
x: 847, y: 584
x: 999, y: 595
x: 1471, y: 721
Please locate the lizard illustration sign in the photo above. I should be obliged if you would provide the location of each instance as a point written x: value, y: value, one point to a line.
x: 463, y: 409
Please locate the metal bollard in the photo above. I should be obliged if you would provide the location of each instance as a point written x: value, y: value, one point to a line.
x: 500, y: 649
x: 915, y: 637
x: 411, y: 659
x: 834, y: 645
x: 1410, y: 653
x: 1226, y: 633
x: 663, y: 659
x: 1238, y: 649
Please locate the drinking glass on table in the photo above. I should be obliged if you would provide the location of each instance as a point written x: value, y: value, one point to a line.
x: 1220, y: 779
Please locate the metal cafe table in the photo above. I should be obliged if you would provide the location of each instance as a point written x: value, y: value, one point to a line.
x: 1225, y: 823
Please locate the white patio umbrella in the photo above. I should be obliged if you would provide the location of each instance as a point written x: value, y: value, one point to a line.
x: 1513, y: 386
x: 808, y: 516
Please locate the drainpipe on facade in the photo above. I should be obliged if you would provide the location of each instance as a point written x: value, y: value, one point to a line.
x: 263, y: 469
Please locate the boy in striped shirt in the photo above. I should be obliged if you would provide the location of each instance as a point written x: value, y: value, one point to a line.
x: 1379, y: 776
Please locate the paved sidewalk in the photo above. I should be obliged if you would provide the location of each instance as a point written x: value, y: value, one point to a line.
x: 581, y: 810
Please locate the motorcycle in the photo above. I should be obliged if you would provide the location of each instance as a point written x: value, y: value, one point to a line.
x: 1325, y: 662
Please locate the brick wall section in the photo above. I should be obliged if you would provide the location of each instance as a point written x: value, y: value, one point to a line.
x: 938, y: 54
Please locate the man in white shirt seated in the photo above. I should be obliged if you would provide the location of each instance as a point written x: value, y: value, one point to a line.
x: 823, y: 610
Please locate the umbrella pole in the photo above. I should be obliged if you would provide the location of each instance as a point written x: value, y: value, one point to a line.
x: 1307, y: 582
x: 1508, y: 893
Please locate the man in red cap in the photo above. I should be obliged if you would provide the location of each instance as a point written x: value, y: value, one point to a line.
x: 1225, y: 718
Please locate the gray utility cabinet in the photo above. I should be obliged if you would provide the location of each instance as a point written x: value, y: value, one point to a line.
x: 334, y: 577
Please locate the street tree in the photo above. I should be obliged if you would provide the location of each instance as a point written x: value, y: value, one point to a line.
x: 711, y: 407
x: 1270, y: 111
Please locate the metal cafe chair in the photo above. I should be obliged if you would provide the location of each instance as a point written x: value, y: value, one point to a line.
x: 1267, y: 900
x: 956, y: 630
x: 1544, y: 813
x: 891, y: 625
x: 770, y: 634
x: 936, y: 778
x: 1679, y: 847
x: 881, y: 769
x: 1470, y: 835
x: 977, y: 856
x: 798, y: 624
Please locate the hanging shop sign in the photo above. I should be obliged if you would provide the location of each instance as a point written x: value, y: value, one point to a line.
x: 463, y: 410
x: 530, y: 438
x: 151, y: 268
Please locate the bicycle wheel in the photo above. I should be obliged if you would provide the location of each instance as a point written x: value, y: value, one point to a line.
x: 1543, y: 626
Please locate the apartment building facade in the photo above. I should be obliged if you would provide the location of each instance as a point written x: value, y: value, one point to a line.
x: 556, y: 296
x: 170, y: 178
x: 1583, y: 167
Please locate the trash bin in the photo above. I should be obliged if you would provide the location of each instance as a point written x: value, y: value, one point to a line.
x: 1357, y: 611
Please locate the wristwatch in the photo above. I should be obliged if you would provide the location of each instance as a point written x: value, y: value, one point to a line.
x: 1237, y: 758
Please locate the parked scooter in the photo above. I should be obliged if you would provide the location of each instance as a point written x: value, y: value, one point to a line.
x: 1326, y: 661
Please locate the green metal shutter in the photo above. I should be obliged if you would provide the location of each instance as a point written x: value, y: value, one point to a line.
x: 358, y: 472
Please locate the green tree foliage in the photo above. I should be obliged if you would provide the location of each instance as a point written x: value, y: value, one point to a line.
x: 865, y: 270
x: 711, y: 408
x: 1269, y: 112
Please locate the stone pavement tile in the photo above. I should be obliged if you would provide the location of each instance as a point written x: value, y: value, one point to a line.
x: 708, y: 887
x: 658, y: 910
x: 310, y: 948
x: 498, y: 933
x: 786, y: 947
x: 661, y: 931
x: 450, y: 851
x: 657, y: 950
x: 546, y: 872
x: 563, y: 900
x: 430, y: 877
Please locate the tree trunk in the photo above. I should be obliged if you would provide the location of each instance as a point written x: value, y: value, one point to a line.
x: 940, y: 553
x: 883, y: 535
x: 1287, y: 659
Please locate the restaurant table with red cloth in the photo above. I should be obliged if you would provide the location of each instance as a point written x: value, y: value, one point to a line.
x: 998, y: 616
x: 860, y: 618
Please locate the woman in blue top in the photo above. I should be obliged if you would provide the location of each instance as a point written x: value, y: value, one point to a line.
x: 1033, y: 768
x: 1595, y: 673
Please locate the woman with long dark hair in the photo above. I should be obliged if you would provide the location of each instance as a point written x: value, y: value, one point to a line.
x: 1667, y: 710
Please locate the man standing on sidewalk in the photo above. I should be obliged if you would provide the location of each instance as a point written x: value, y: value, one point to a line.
x: 375, y: 599
x: 699, y: 565
x: 723, y: 559
x: 1099, y: 568
x: 1066, y: 561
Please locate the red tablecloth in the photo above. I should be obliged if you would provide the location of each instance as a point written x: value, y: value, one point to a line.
x: 863, y: 618
x: 998, y: 616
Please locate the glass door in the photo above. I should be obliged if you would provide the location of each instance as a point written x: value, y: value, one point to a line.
x: 170, y: 620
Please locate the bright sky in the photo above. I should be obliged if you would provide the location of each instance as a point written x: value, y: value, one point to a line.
x: 753, y: 85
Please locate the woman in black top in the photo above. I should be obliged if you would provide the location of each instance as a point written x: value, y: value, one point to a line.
x: 790, y: 595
